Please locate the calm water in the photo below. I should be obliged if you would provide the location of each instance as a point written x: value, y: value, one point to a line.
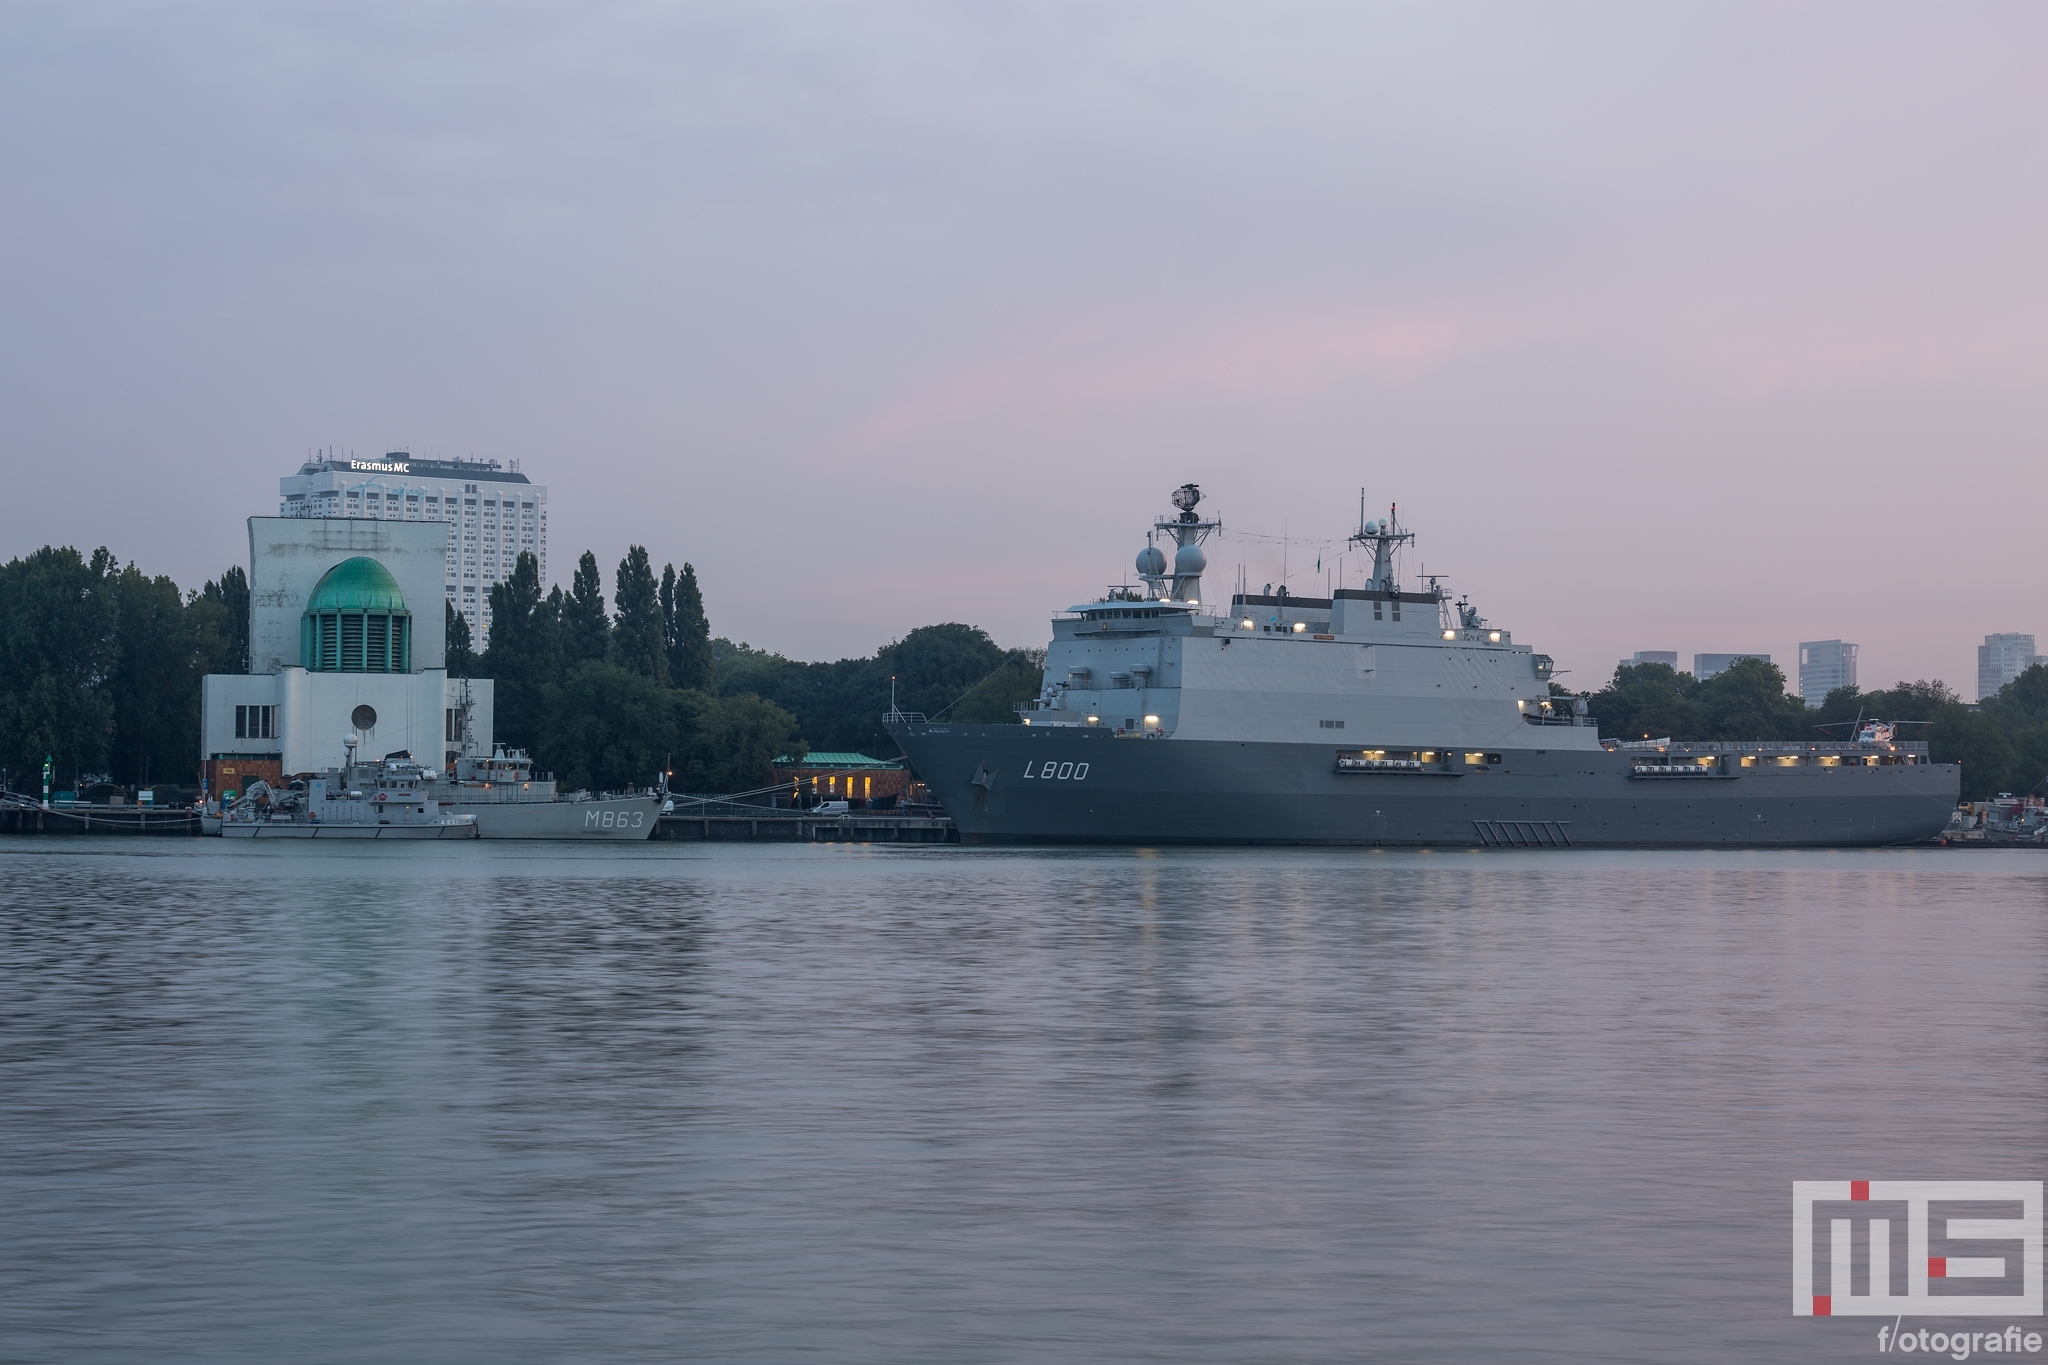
x: 511, y: 1103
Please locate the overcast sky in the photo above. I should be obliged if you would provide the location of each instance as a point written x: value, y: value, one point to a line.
x: 1695, y: 328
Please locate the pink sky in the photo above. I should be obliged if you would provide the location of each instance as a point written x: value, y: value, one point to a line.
x: 1703, y: 328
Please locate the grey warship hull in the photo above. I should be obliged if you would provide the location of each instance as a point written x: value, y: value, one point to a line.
x: 1106, y: 788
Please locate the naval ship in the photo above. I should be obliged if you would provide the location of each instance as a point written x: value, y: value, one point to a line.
x: 509, y: 800
x: 1384, y: 714
x: 387, y: 800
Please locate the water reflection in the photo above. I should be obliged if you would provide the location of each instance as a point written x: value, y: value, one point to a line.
x: 938, y: 1104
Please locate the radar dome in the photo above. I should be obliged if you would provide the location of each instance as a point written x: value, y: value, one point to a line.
x: 1372, y: 528
x: 1151, y: 561
x: 1189, y: 560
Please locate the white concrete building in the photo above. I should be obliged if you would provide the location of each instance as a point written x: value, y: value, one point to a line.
x: 491, y: 513
x: 2000, y: 659
x: 337, y: 648
x: 1825, y: 665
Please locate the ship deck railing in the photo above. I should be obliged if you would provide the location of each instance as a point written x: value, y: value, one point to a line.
x: 1768, y: 746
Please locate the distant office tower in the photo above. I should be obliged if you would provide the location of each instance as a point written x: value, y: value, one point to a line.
x: 2000, y: 659
x: 1652, y: 656
x: 1705, y: 666
x: 492, y: 513
x: 1825, y: 665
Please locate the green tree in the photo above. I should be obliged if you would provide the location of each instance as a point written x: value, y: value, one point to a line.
x: 521, y: 657
x: 637, y: 632
x: 2023, y: 702
x: 586, y: 630
x: 688, y: 632
x: 57, y: 649
x: 1645, y: 701
x: 2029, y: 766
x: 230, y: 592
x: 995, y: 700
x: 154, y: 682
x: 733, y: 742
x: 1975, y: 740
x: 609, y: 728
x: 1747, y: 700
x: 460, y: 655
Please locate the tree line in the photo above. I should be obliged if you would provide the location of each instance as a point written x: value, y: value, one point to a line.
x: 609, y: 698
x: 606, y: 697
x: 100, y: 666
x: 2002, y: 742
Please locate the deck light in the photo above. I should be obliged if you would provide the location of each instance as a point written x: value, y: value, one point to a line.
x: 1450, y: 635
x: 1151, y: 720
x: 1300, y: 626
x: 1246, y: 624
x: 1494, y: 636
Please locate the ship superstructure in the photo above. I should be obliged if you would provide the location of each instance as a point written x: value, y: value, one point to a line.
x: 1381, y: 714
x: 1380, y: 664
x: 510, y: 800
x: 387, y: 799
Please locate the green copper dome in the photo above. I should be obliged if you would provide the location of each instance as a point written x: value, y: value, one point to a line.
x: 357, y: 584
x: 356, y: 622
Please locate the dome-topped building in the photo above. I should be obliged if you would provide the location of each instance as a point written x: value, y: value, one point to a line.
x: 347, y: 645
x: 356, y: 622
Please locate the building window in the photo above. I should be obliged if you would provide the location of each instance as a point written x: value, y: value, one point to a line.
x: 255, y: 722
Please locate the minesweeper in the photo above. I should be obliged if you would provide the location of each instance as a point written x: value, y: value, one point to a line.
x: 377, y: 800
x: 510, y: 801
x: 1385, y: 714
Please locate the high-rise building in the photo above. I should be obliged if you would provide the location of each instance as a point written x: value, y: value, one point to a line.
x: 1652, y: 656
x: 1705, y: 666
x: 2000, y: 659
x: 1825, y: 665
x: 492, y: 511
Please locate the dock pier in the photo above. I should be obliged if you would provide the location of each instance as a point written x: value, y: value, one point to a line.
x: 23, y: 817
x: 797, y: 827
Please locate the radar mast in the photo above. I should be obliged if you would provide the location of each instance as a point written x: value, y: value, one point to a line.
x: 1182, y: 580
x: 1383, y: 538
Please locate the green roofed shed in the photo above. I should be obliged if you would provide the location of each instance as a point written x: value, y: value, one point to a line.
x: 842, y: 762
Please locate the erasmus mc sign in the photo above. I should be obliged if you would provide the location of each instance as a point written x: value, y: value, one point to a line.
x: 377, y: 466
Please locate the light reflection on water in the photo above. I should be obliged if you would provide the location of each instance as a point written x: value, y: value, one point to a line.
x: 734, y: 1103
